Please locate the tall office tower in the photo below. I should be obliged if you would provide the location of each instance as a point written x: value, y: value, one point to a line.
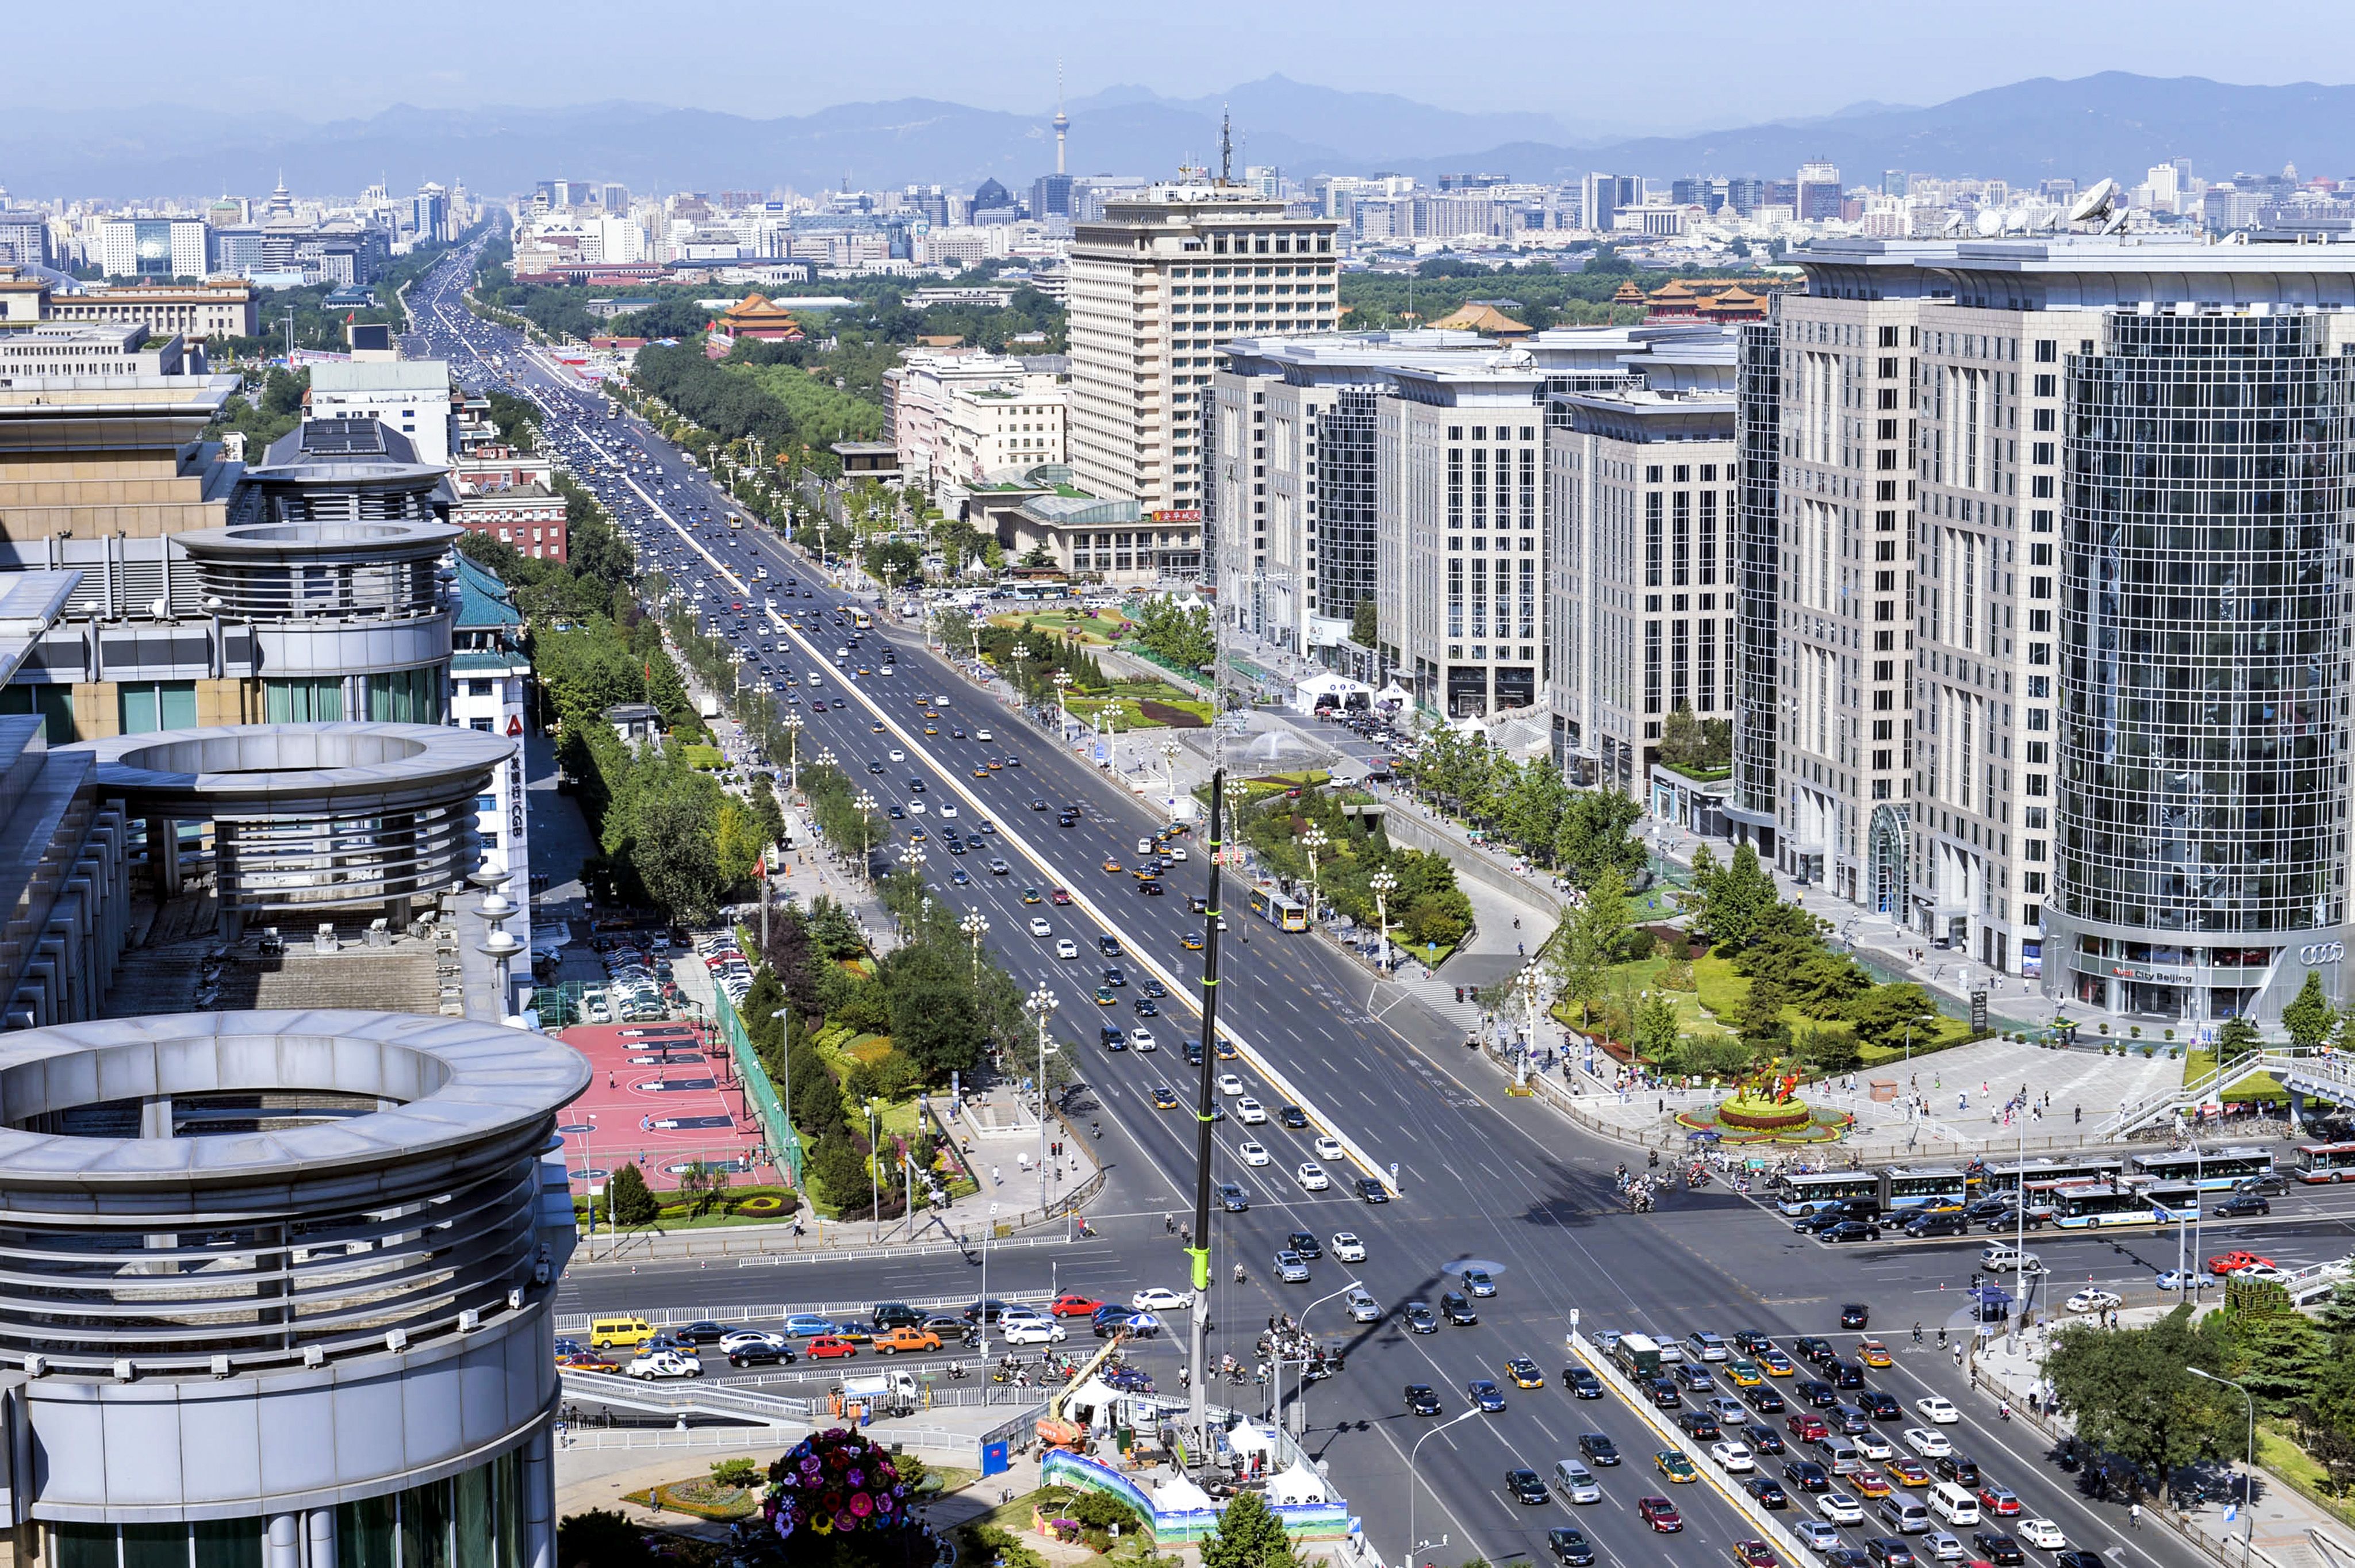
x: 1644, y: 506
x: 2199, y: 845
x: 1156, y: 287
x: 1751, y: 811
x: 1819, y: 194
x: 1601, y: 197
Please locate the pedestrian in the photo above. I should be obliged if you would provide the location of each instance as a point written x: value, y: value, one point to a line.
x: 2133, y: 1515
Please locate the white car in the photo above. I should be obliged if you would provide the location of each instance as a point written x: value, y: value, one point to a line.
x: 948, y: 808
x: 1067, y: 948
x: 917, y: 808
x: 898, y: 755
x: 1346, y: 1248
x: 1253, y: 1152
x: 1733, y: 1459
x: 2042, y: 1533
x: 737, y: 1339
x: 1928, y: 1443
x: 1175, y: 851
x: 1938, y: 1410
x: 664, y: 1364
x: 1161, y: 1298
x: 1142, y: 1039
x: 1329, y: 1148
x: 1249, y: 1111
x: 1311, y: 1177
x: 1230, y: 1085
x: 1031, y: 1331
x: 1038, y: 926
x: 983, y: 735
x: 1840, y: 1508
x: 1942, y: 1547
x: 2092, y: 1300
x: 1873, y: 1445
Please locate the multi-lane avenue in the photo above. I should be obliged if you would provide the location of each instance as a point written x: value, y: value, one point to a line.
x: 1481, y: 1178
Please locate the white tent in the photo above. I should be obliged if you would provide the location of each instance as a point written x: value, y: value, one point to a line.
x: 1297, y: 1485
x: 1179, y: 1495
x: 1340, y: 688
x: 1249, y: 1439
x: 1396, y: 695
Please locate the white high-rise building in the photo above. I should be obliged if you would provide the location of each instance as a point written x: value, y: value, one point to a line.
x: 152, y: 247
x: 1158, y: 286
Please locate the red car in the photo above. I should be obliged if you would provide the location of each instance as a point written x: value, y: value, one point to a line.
x: 1060, y: 896
x: 826, y: 1347
x: 1071, y: 1304
x: 1755, y: 1554
x: 1998, y: 1500
x: 2230, y: 1263
x: 1660, y: 1514
x: 1806, y: 1426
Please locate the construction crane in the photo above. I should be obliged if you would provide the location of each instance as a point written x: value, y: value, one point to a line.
x: 1054, y: 1430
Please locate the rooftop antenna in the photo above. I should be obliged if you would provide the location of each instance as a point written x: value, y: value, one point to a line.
x: 1063, y: 121
x: 1226, y: 146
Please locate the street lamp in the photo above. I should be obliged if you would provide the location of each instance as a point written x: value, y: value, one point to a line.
x: 793, y: 723
x: 825, y: 758
x: 2249, y: 1472
x: 1063, y: 706
x: 975, y: 925
x: 1529, y: 983
x: 1414, y: 1482
x: 865, y: 802
x: 1169, y: 766
x: 1042, y: 1004
x: 874, y: 1182
x: 1313, y: 841
x: 1384, y: 884
x: 1300, y: 1394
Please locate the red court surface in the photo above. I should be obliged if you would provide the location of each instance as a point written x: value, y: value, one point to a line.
x: 658, y: 1101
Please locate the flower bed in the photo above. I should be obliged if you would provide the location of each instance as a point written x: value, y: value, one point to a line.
x: 1745, y: 1121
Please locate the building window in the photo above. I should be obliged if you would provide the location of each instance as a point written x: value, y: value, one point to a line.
x: 303, y: 701
x: 146, y: 706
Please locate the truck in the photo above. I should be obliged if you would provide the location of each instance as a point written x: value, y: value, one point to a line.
x: 1638, y: 1356
x: 708, y: 706
x: 892, y: 1393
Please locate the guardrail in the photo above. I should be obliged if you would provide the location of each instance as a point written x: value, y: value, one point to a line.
x: 690, y: 1397
x: 577, y: 1323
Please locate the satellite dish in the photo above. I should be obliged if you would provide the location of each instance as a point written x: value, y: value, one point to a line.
x: 2117, y: 222
x: 1954, y: 224
x: 2015, y: 222
x: 2096, y: 203
x: 1989, y: 224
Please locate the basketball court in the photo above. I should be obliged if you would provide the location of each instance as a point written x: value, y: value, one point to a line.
x: 659, y: 1100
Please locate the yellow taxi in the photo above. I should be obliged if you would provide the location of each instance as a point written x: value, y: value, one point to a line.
x: 1524, y: 1373
x: 1032, y: 896
x: 878, y: 726
x: 1193, y: 941
x: 1226, y: 1051
x: 1912, y: 1472
x: 1776, y: 1363
x: 1110, y: 865
x: 931, y: 728
x: 1746, y: 1374
x: 1874, y: 1353
x: 1869, y: 1483
x: 980, y: 772
x: 1164, y: 1097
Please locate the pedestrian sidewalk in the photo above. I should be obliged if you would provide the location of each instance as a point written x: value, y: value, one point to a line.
x: 2283, y: 1528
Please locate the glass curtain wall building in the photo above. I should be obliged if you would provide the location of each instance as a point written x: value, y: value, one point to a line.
x: 2201, y: 832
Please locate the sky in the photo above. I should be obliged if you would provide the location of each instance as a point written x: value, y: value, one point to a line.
x: 1621, y: 68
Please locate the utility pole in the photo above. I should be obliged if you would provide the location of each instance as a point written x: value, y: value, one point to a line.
x: 1198, y: 1253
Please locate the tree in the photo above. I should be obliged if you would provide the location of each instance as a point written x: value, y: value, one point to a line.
x: 2237, y: 1038
x: 601, y: 1538
x: 1249, y: 1536
x: 1596, y: 835
x: 2286, y: 1357
x: 1365, y: 624
x: 1889, y: 1015
x: 1533, y: 805
x: 1590, y: 945
x: 1655, y: 1031
x: 1734, y: 902
x: 2310, y: 1018
x: 1683, y: 744
x: 676, y: 852
x: 2131, y: 1394
x: 1758, y: 1019
x: 634, y: 1203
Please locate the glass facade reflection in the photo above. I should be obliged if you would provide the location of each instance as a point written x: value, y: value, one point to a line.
x: 2204, y: 580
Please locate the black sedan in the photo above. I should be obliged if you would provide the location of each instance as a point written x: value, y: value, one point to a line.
x: 2241, y: 1204
x: 705, y: 1333
x: 1421, y: 1399
x: 1456, y: 1307
x: 1851, y: 1231
x: 1370, y: 1191
x: 1767, y: 1491
x: 1582, y: 1384
x: 1762, y: 1438
x: 1525, y: 1487
x: 759, y: 1353
x: 1855, y: 1315
x: 2000, y: 1548
x: 1598, y: 1448
x: 1568, y: 1546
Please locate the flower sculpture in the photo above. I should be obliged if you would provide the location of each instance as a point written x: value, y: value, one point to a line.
x: 836, y: 1481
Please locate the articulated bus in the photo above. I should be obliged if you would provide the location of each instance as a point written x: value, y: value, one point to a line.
x: 2048, y: 1168
x: 1923, y: 1186
x: 2214, y: 1170
x: 2101, y: 1205
x: 1805, y: 1194
x: 2323, y: 1162
x: 1283, y: 914
x: 861, y: 620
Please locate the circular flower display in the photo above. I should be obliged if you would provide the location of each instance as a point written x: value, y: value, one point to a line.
x: 836, y: 1481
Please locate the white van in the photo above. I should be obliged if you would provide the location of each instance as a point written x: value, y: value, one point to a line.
x: 1953, y: 1504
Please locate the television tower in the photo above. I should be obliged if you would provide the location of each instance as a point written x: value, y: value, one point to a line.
x: 1226, y: 146
x: 1063, y: 121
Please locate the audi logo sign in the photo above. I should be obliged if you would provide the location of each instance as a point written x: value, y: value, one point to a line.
x: 2322, y: 952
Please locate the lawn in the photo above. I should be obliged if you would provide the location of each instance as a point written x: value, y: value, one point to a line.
x: 1093, y: 626
x: 1706, y: 1011
x: 2199, y: 1062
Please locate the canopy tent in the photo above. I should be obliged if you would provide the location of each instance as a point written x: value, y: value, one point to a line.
x: 1179, y: 1495
x: 1297, y: 1485
x: 1338, y: 689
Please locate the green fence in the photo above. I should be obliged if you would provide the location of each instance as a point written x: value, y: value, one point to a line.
x: 784, y: 1141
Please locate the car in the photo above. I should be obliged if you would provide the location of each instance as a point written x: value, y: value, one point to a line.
x: 1874, y: 1353
x: 906, y: 1336
x: 1955, y: 1468
x: 1806, y: 1475
x: 1881, y: 1405
x: 1598, y: 1448
x: 1693, y: 1379
x: 664, y: 1364
x: 1230, y: 1085
x: 1767, y: 1492
x: 1106, y: 997
x: 1478, y: 1282
x: 1938, y: 1409
x: 1421, y: 1400
x: 1814, y: 1392
x: 1066, y: 948
x: 1926, y: 1442
x: 1114, y: 1038
x: 760, y: 1351
x: 1456, y: 1307
x: 1524, y: 1373
x: 1294, y: 1117
x: 2270, y: 1184
x: 1868, y: 1484
x: 1253, y: 1152
x: 1660, y: 1514
x: 1997, y: 1547
x: 1762, y: 1437
x: 1161, y: 1298
x: 1361, y: 1308
x: 1328, y: 1148
x: 579, y: 1360
x: 1485, y: 1394
x: 1568, y: 1546
x: 1815, y: 1349
x: 1576, y: 1482
x: 1816, y: 1535
x: 1849, y: 1231
x: 1061, y: 896
x: 1582, y: 1384
x: 1164, y: 1097
x: 1071, y: 1304
x: 2042, y: 1534
x: 729, y: 1342
x: 1873, y: 1445
x: 1346, y: 1248
x: 2234, y: 1262
x: 1032, y: 1332
x: 2240, y: 1205
x: 1250, y: 1112
x: 1662, y: 1392
x: 1191, y: 941
x: 1888, y: 1551
x: 1707, y: 1347
x: 1372, y: 1190
x: 1776, y: 1363
x: 1700, y: 1425
x: 1745, y: 1373
x: 829, y: 1347
x: 1840, y: 1508
x: 702, y: 1333
x: 1941, y: 1547
x: 2189, y: 1279
x: 1311, y: 1177
x: 1144, y: 1040
x: 1807, y: 1426
x: 801, y: 1325
x: 1734, y: 1458
x: 1232, y: 1198
x: 1676, y: 1465
x: 1420, y: 1318
x: 1526, y: 1487
x: 1291, y: 1268
x: 1910, y: 1472
x: 1754, y: 1553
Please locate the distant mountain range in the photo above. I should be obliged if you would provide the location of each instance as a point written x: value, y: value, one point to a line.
x: 2113, y: 123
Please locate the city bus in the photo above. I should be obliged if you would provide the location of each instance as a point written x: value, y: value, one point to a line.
x: 2101, y: 1205
x: 1805, y: 1193
x: 2215, y: 1170
x: 1283, y: 914
x: 861, y: 620
x: 2323, y: 1162
x: 2049, y: 1169
x: 1922, y: 1187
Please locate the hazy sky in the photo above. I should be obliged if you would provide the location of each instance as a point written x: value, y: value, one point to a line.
x: 1631, y: 66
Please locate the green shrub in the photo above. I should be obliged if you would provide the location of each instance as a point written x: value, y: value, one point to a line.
x: 736, y: 1472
